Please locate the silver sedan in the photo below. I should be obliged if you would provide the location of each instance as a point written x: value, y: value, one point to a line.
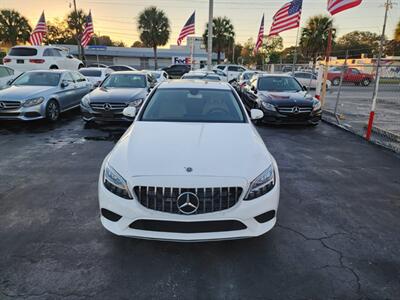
x: 42, y: 94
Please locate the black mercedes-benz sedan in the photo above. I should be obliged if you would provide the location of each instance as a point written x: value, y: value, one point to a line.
x: 117, y: 91
x: 282, y: 99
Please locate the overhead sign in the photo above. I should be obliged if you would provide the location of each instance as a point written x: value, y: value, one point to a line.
x: 97, y: 48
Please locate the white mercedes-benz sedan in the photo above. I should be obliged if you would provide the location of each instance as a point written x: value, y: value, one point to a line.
x: 191, y: 167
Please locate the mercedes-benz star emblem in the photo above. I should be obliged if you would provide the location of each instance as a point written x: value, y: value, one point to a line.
x: 188, y: 203
x: 2, y: 105
x: 296, y: 110
x: 189, y: 169
x: 107, y: 106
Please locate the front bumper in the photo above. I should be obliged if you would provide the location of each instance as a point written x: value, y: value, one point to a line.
x: 89, y: 114
x: 24, y: 113
x: 134, y: 220
x: 274, y: 117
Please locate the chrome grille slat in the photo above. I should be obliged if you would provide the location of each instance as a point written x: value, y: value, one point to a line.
x: 211, y: 199
x: 113, y: 106
x: 10, y: 105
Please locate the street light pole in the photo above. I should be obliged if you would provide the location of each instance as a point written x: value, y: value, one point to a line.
x: 388, y: 5
x: 76, y: 33
x: 210, y: 34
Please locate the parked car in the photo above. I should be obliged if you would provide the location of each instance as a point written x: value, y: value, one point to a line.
x: 192, y: 167
x: 118, y: 68
x: 232, y: 71
x: 27, y: 58
x: 351, y: 75
x: 177, y: 71
x: 42, y: 94
x: 159, y: 76
x: 201, y: 75
x: 309, y: 80
x: 282, y: 99
x: 96, y: 65
x: 117, y: 91
x: 95, y: 75
x: 6, y: 75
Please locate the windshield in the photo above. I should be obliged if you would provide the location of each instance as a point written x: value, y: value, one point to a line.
x: 125, y: 81
x: 278, y: 84
x: 193, y: 105
x: 90, y: 73
x: 38, y: 78
x: 203, y: 77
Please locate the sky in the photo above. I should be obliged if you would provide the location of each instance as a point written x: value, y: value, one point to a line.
x: 117, y: 18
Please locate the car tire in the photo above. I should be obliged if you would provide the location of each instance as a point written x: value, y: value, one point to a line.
x: 336, y: 81
x: 53, y: 67
x: 366, y: 82
x: 52, y: 111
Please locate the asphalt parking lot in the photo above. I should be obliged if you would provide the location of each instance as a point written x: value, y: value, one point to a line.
x: 337, y: 235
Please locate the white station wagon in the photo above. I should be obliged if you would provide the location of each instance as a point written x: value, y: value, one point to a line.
x: 27, y: 58
x: 191, y: 167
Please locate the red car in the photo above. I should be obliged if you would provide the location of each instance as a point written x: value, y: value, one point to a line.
x: 351, y: 75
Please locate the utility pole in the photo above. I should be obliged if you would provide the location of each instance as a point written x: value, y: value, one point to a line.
x: 388, y: 5
x: 210, y: 34
x: 78, y: 43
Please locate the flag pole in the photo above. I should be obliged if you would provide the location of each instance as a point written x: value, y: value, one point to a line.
x: 296, y: 48
x: 210, y: 34
x: 327, y: 59
x: 192, y: 54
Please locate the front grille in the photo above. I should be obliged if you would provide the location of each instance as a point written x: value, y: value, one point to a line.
x: 164, y: 199
x: 114, y: 107
x: 187, y: 227
x: 293, y: 110
x: 9, y: 105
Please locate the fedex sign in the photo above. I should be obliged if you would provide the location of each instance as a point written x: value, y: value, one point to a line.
x: 180, y: 60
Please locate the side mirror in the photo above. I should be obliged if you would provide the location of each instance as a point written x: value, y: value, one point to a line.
x: 64, y: 84
x: 256, y: 114
x: 253, y: 88
x: 129, y: 112
x: 70, y: 56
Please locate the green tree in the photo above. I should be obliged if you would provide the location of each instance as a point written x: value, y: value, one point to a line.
x: 14, y: 28
x: 137, y: 44
x: 154, y: 28
x: 223, y: 35
x: 397, y: 33
x: 58, y: 33
x: 358, y: 42
x: 314, y: 37
x: 76, y: 21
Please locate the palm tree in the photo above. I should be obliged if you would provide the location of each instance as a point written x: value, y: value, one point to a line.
x: 76, y: 21
x: 14, y: 28
x: 153, y: 26
x: 223, y: 35
x: 397, y: 32
x: 314, y: 37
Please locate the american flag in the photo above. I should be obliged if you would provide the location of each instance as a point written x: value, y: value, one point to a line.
x: 188, y: 28
x: 260, y: 36
x: 39, y: 32
x: 288, y: 17
x: 88, y: 31
x: 336, y: 6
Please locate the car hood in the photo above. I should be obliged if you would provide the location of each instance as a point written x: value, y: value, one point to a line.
x: 15, y: 92
x: 286, y: 98
x: 168, y: 148
x: 117, y: 94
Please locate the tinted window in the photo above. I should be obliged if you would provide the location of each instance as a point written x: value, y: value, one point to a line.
x: 38, y: 78
x: 278, y: 84
x: 203, y: 77
x: 23, y: 52
x: 193, y: 105
x: 68, y: 77
x: 125, y: 81
x: 233, y: 69
x: 355, y: 71
x: 221, y: 67
x: 90, y: 73
x: 120, y: 68
x: 3, y: 72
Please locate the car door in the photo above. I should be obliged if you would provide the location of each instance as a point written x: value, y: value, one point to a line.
x: 82, y: 86
x: 67, y: 94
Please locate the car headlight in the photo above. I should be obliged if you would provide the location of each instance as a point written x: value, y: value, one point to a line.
x: 316, y: 105
x: 33, y: 102
x: 115, y: 183
x: 268, y: 106
x: 136, y: 103
x: 85, y: 101
x: 262, y: 184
